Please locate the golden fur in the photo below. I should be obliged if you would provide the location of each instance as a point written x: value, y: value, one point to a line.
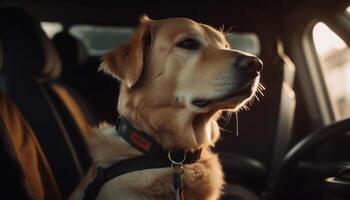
x: 159, y: 81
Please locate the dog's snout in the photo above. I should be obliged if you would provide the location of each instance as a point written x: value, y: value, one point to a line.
x: 250, y: 65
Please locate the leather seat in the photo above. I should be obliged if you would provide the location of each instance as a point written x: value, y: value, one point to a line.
x: 29, y: 66
x: 76, y: 112
x: 25, y: 172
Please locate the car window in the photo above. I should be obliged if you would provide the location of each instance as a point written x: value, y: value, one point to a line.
x: 248, y: 42
x: 100, y: 39
x: 334, y: 57
x: 51, y: 28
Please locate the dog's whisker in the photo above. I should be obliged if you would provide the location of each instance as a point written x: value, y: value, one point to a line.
x: 222, y: 117
x: 222, y: 28
x: 229, y: 29
x: 259, y: 90
x: 256, y: 97
x: 261, y: 86
x: 246, y: 107
x: 261, y: 93
x: 227, y: 119
x: 229, y: 116
x: 226, y: 116
x: 237, y: 132
x: 225, y: 125
x: 224, y: 130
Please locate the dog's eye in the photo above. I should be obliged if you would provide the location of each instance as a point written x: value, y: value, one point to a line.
x: 189, y: 43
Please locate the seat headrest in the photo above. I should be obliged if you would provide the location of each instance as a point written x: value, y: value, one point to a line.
x: 25, y: 47
x: 72, y: 52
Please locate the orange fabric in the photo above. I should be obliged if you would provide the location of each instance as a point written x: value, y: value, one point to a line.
x: 37, y: 172
x: 74, y: 109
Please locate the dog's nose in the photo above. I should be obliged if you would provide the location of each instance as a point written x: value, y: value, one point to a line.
x: 250, y: 65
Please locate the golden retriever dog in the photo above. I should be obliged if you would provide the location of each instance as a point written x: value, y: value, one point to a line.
x: 177, y: 76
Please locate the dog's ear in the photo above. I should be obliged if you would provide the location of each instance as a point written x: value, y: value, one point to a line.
x: 126, y: 61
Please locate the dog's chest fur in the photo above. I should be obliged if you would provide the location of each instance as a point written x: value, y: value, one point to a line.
x: 202, y: 180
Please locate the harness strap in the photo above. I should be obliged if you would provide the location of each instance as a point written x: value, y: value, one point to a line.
x: 155, y: 157
x: 120, y: 168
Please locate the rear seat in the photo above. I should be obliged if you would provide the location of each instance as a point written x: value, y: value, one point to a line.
x: 29, y: 66
x: 79, y: 72
x: 25, y: 173
x: 74, y: 56
x: 76, y: 113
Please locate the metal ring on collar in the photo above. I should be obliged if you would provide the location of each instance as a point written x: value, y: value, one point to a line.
x: 174, y: 161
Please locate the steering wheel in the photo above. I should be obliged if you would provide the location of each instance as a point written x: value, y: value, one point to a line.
x: 302, y: 148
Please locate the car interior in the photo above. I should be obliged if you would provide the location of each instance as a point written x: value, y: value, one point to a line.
x: 291, y: 143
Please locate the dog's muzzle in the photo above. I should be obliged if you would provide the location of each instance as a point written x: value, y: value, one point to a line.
x: 244, y: 71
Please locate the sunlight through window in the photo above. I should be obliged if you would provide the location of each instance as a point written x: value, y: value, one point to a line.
x: 326, y: 41
x: 51, y: 28
x: 334, y: 57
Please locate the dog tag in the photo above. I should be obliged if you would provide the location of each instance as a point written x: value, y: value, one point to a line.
x: 178, y: 186
x: 178, y: 171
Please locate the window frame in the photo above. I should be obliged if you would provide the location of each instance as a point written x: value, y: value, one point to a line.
x: 339, y: 23
x: 298, y: 45
x: 317, y: 78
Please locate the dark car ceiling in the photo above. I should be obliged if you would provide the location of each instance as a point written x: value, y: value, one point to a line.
x: 243, y: 13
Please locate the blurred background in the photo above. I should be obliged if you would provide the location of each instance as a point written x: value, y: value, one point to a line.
x: 290, y: 140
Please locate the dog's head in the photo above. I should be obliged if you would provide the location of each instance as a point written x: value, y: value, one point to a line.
x: 176, y: 76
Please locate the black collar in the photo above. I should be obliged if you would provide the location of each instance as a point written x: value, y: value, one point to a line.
x: 155, y: 157
x: 149, y: 146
